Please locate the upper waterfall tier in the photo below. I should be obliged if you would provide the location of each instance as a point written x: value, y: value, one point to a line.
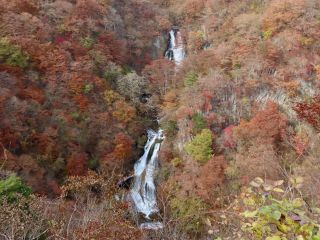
x: 175, y: 50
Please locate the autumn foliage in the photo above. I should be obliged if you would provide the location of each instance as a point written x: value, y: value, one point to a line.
x: 57, y: 62
x: 82, y: 80
x: 310, y: 111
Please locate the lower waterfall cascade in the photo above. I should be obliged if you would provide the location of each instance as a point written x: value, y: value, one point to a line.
x: 143, y: 191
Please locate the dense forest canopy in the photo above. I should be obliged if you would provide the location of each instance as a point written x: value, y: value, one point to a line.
x: 81, y: 81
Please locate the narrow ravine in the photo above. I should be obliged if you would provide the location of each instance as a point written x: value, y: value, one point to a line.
x: 143, y: 190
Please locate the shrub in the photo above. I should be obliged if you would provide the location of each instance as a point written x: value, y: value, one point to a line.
x: 270, y: 214
x: 131, y: 86
x: 267, y: 34
x: 232, y: 171
x: 309, y: 111
x: 189, y: 212
x: 258, y: 141
x: 110, y: 97
x: 12, y: 55
x: 112, y: 74
x: 164, y: 174
x: 196, y: 41
x: 200, y: 148
x: 176, y: 162
x: 75, y: 116
x: 87, y: 88
x: 190, y: 78
x: 13, y: 186
x: 123, y: 112
x: 198, y: 122
x: 87, y: 42
x: 25, y: 218
x: 93, y: 163
x: 170, y: 127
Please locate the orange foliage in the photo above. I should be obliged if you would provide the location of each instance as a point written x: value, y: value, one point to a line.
x: 77, y: 164
x: 170, y: 100
x: 191, y: 9
x: 123, y: 147
x: 123, y: 112
x: 33, y: 93
x: 258, y: 141
x: 195, y: 41
x: 211, y: 176
x: 310, y: 111
x: 20, y: 6
x: 82, y: 102
x: 121, y: 152
x: 57, y: 101
x: 76, y: 84
x: 266, y: 127
x: 318, y: 71
x: 281, y: 13
x: 88, y: 9
x: 112, y: 48
x: 160, y: 73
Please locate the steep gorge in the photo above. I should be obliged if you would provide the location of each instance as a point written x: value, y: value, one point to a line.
x: 81, y: 82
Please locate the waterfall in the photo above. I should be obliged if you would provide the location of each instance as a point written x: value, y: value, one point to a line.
x: 175, y: 51
x: 143, y: 191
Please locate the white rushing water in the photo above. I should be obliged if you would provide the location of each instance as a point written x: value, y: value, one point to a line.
x: 175, y: 51
x: 143, y: 190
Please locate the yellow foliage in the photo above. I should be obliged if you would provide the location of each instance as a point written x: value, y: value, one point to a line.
x: 123, y: 112
x: 195, y: 40
x: 111, y: 96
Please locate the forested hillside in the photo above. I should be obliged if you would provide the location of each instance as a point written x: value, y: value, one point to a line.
x: 83, y: 80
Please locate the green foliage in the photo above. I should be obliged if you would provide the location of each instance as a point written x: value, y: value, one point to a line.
x: 267, y: 34
x: 87, y: 88
x: 93, y: 163
x: 256, y: 5
x: 12, y: 55
x: 170, y: 127
x: 87, y: 42
x: 176, y: 162
x: 200, y: 148
x: 198, y: 122
x: 164, y: 174
x: 111, y: 75
x: 189, y: 212
x: 270, y: 214
x: 99, y: 60
x: 10, y: 187
x: 190, y: 78
x: 237, y: 65
x: 75, y: 116
x: 58, y: 166
x: 141, y: 141
x: 232, y: 171
x: 126, y: 70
